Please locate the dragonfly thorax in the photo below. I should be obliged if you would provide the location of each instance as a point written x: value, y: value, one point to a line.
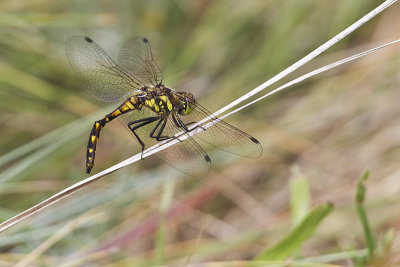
x: 163, y: 100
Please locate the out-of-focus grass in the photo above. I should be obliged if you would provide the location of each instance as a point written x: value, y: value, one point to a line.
x: 331, y: 128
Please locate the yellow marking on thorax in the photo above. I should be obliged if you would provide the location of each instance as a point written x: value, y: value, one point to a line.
x: 148, y: 103
x: 169, y: 105
x: 153, y: 105
x: 166, y: 100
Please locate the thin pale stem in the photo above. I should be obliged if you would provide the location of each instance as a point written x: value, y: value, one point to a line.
x: 310, y: 74
x: 310, y: 56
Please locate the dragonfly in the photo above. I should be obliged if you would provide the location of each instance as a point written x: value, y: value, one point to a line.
x: 151, y: 111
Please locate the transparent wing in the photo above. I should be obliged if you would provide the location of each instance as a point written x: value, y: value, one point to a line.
x: 136, y: 58
x: 223, y: 135
x: 97, y: 72
x: 186, y: 156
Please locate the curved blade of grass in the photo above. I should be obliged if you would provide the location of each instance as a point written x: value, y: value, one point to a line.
x: 339, y: 256
x: 160, y: 239
x: 56, y: 237
x: 298, y: 235
x: 31, y: 160
x: 37, y: 143
x: 300, y: 198
x: 360, y: 195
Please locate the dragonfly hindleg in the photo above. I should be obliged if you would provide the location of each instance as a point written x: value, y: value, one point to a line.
x: 142, y: 122
x: 158, y: 137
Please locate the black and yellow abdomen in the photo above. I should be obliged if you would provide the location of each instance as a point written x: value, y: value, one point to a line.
x: 132, y: 103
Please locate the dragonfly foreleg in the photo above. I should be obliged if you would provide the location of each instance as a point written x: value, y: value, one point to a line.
x: 193, y: 122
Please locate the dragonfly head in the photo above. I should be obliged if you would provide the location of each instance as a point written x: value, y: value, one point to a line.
x: 187, y: 103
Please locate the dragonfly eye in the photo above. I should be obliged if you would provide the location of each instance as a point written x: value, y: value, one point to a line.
x: 187, y: 101
x: 187, y: 108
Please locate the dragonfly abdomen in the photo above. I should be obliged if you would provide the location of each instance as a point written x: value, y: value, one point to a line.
x: 130, y: 104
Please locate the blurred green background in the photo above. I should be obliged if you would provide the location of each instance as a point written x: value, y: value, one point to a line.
x: 318, y: 137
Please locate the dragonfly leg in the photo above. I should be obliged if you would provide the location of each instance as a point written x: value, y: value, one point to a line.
x: 159, y: 137
x: 142, y: 122
x: 179, y: 123
x: 155, y: 128
x: 193, y: 122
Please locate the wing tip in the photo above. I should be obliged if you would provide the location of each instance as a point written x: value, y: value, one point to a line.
x: 259, y: 150
x: 145, y: 40
x: 88, y: 39
x: 254, y: 140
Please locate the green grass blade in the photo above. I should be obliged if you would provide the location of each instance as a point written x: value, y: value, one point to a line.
x: 166, y: 200
x: 338, y: 256
x: 300, y: 199
x: 360, y: 196
x: 298, y: 235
